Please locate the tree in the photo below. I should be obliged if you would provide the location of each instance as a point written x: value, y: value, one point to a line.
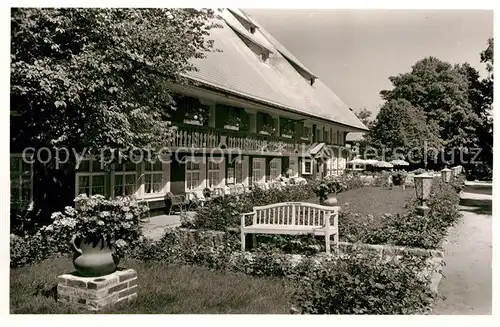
x: 365, y: 116
x: 92, y: 78
x: 441, y: 91
x: 97, y: 77
x: 401, y: 131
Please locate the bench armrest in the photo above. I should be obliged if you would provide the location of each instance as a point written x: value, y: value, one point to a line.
x: 243, y: 216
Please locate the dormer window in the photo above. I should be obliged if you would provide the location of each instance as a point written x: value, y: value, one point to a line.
x: 252, y: 29
x: 312, y: 80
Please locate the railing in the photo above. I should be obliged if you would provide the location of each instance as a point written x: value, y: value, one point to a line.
x: 206, y: 137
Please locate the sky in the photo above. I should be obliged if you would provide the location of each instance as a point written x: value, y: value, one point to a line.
x: 355, y: 51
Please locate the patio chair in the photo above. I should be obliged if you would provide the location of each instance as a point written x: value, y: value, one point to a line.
x: 175, y: 201
x: 240, y: 189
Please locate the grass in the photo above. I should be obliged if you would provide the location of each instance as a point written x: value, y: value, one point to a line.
x: 374, y: 200
x: 163, y: 289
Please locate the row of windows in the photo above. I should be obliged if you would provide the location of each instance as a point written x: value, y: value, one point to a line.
x: 92, y: 179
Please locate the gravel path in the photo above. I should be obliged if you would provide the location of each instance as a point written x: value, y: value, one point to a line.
x: 468, y: 279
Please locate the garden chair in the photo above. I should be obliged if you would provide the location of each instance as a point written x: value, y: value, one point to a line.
x: 240, y: 189
x: 175, y: 201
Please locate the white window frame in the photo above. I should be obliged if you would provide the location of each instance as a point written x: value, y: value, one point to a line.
x: 275, y: 169
x: 261, y: 169
x: 152, y: 173
x: 19, y: 176
x: 238, y: 171
x: 90, y: 173
x: 293, y: 163
x: 189, y: 172
x: 214, y: 171
x: 304, y: 171
x: 124, y: 173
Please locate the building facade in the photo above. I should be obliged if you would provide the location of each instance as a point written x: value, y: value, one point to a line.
x: 253, y: 114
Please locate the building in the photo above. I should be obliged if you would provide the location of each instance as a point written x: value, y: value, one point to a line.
x: 255, y: 113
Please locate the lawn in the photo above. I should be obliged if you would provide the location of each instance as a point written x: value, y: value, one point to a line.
x: 163, y: 289
x: 374, y: 200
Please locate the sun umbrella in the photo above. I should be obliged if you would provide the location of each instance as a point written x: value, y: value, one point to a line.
x: 372, y: 162
x: 383, y: 164
x: 400, y: 163
x: 357, y: 161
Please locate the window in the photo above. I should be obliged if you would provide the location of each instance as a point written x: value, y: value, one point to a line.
x: 275, y: 168
x: 90, y: 178
x: 20, y: 180
x: 238, y: 171
x: 154, y: 180
x: 125, y: 182
x: 214, y: 173
x: 307, y: 133
x: 307, y: 167
x: 258, y: 170
x: 292, y: 166
x: 193, y: 173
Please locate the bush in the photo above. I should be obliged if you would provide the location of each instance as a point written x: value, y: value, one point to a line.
x: 382, y: 179
x: 224, y: 212
x: 361, y: 283
x: 399, y: 177
x: 21, y: 218
x: 481, y: 171
x: 408, y: 229
x: 118, y: 219
x: 336, y: 184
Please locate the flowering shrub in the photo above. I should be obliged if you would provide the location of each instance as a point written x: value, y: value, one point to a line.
x: 224, y: 212
x: 336, y: 184
x: 408, y: 229
x: 356, y: 282
x: 361, y: 283
x: 398, y: 177
x: 382, y: 179
x: 117, y: 221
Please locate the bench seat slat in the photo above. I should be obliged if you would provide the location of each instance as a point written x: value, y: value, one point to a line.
x: 282, y: 229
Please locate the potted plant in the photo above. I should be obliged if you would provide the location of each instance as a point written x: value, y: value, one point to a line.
x: 99, y: 230
x: 196, y: 116
x: 398, y: 178
x: 287, y: 133
x: 233, y: 123
x: 306, y: 136
x: 267, y: 129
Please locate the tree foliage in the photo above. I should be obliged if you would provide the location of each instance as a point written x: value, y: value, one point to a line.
x: 401, y: 128
x: 452, y: 100
x: 365, y: 116
x: 97, y: 77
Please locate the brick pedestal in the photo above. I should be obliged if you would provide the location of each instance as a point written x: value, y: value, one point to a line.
x: 96, y: 293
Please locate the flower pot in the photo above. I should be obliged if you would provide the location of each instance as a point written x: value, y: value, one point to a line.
x: 94, y: 256
x: 192, y: 122
x: 231, y: 127
x: 264, y: 133
x: 331, y: 200
x: 287, y: 136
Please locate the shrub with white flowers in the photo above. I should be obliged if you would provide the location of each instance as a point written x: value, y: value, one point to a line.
x: 116, y: 221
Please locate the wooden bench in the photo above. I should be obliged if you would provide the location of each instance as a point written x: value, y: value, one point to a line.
x: 293, y: 218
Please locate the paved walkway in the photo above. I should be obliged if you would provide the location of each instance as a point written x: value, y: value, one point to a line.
x: 467, y: 285
x: 155, y: 227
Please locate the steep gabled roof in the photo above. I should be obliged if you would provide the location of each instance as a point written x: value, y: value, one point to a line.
x: 279, y: 80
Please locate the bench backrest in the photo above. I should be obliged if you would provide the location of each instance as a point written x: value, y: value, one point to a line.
x: 296, y: 214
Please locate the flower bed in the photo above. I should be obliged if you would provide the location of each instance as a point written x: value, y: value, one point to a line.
x: 225, y: 212
x: 360, y: 279
x: 408, y: 229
